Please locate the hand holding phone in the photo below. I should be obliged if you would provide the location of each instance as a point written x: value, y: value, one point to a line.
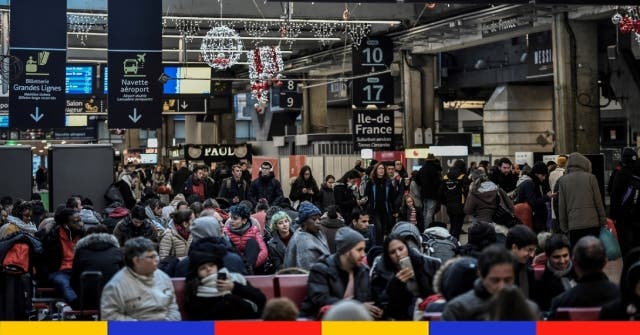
x: 222, y: 276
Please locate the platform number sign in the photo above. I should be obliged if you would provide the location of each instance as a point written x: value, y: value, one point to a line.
x: 290, y: 98
x: 373, y: 55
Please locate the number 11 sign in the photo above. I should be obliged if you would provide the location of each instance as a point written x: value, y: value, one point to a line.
x: 372, y: 56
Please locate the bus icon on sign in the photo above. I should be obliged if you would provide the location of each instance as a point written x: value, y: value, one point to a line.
x: 130, y: 66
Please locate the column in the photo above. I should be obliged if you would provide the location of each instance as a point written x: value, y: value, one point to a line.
x: 563, y: 101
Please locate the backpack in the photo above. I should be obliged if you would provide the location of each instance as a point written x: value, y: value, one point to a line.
x: 630, y: 204
x: 113, y: 194
x: 438, y: 243
x: 452, y: 193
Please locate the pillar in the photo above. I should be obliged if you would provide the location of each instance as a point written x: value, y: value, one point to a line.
x: 563, y: 82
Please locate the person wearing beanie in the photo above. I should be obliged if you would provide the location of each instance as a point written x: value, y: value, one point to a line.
x: 534, y: 190
x: 481, y: 235
x: 580, y: 207
x: 308, y: 243
x: 396, y: 283
x: 246, y: 237
x: 340, y: 276
x: 209, y: 296
x: 280, y: 226
x: 455, y: 277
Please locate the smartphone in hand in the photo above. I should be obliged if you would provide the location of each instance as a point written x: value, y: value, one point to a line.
x: 406, y: 263
x: 222, y: 276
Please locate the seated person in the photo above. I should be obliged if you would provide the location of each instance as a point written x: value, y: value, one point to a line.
x: 340, y: 276
x: 246, y: 237
x: 627, y: 307
x: 522, y: 241
x: 559, y: 274
x: 214, y: 293
x: 308, y: 243
x: 139, y: 291
x: 594, y: 287
x: 396, y: 284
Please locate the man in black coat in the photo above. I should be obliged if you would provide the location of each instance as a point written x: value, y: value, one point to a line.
x: 559, y: 273
x: 594, y: 288
x: 502, y: 175
x: 430, y: 178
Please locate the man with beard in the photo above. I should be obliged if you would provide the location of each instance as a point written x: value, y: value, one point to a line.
x: 266, y: 186
x: 501, y: 175
x: 59, y: 248
x: 340, y: 276
x: 559, y: 274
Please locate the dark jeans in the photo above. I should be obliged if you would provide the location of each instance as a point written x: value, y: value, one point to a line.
x: 456, y: 225
x: 576, y: 235
x: 62, y: 282
x: 251, y: 251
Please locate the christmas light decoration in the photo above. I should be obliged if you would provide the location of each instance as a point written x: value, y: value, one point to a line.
x: 221, y: 48
x: 265, y: 65
x: 629, y: 21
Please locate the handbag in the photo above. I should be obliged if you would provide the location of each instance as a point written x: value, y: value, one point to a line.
x: 113, y: 195
x: 524, y: 213
x: 611, y: 245
x: 502, y: 215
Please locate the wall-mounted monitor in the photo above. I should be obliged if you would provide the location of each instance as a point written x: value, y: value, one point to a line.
x: 148, y: 158
x: 4, y: 121
x: 105, y: 80
x: 187, y: 80
x: 79, y: 79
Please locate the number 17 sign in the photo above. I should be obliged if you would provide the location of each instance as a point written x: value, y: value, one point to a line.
x: 374, y: 55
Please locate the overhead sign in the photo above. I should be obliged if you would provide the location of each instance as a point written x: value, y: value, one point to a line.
x: 371, y: 56
x: 524, y: 158
x: 290, y: 98
x: 38, y: 35
x: 135, y: 64
x: 540, y: 55
x: 372, y: 129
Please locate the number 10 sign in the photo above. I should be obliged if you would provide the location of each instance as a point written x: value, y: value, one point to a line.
x: 372, y: 56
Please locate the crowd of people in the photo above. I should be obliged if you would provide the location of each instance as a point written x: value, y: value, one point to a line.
x: 373, y: 243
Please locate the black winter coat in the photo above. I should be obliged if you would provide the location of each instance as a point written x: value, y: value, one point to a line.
x: 327, y: 283
x: 232, y: 306
x: 267, y: 187
x: 392, y: 295
x: 96, y: 252
x: 430, y: 177
x: 592, y: 290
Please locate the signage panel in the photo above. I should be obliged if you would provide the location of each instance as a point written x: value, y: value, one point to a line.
x: 372, y: 129
x: 373, y: 55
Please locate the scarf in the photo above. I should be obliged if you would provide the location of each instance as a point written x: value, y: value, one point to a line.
x: 243, y: 229
x: 28, y: 228
x: 208, y: 287
x: 558, y: 273
x: 145, y: 280
x: 182, y: 231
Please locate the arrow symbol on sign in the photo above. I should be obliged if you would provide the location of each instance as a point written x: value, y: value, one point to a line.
x: 184, y: 105
x: 135, y: 117
x: 37, y: 117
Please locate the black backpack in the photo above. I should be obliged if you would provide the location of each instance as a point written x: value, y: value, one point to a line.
x: 630, y: 204
x: 452, y: 193
x: 443, y: 248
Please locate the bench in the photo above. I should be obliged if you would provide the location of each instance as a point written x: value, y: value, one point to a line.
x: 293, y: 287
x: 577, y: 313
x: 264, y: 284
x: 431, y: 316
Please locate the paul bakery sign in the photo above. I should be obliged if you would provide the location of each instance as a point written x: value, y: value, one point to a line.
x: 215, y: 152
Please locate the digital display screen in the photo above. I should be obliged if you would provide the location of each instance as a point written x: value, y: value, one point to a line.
x: 187, y: 80
x: 148, y: 158
x: 4, y: 121
x: 79, y: 79
x: 70, y: 121
x: 105, y: 80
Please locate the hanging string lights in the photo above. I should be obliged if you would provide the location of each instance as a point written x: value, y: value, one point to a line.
x: 265, y: 65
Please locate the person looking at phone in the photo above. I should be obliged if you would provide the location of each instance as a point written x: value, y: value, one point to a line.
x: 214, y: 293
x: 340, y: 276
x: 400, y: 276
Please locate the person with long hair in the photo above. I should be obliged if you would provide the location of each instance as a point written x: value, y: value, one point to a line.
x: 345, y: 192
x: 380, y: 196
x: 305, y: 187
x: 177, y: 237
x: 401, y: 276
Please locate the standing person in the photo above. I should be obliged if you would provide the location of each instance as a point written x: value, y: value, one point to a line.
x: 620, y: 181
x: 346, y: 193
x: 266, y: 186
x: 502, y: 175
x: 331, y: 221
x: 179, y: 177
x: 399, y: 277
x: 139, y: 291
x: 400, y: 170
x: 235, y: 188
x: 305, y: 187
x: 196, y: 184
x: 158, y: 178
x: 453, y: 192
x: 308, y: 243
x: 380, y: 196
x: 409, y: 212
x: 532, y: 191
x: 429, y: 180
x: 398, y: 184
x: 42, y: 178
x: 326, y: 197
x: 580, y: 207
x: 340, y: 276
x: 482, y: 200
x: 554, y: 176
x: 126, y: 186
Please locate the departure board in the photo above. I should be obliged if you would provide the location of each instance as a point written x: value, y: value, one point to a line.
x: 79, y: 79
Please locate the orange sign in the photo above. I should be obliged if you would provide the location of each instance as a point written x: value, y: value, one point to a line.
x: 296, y: 162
